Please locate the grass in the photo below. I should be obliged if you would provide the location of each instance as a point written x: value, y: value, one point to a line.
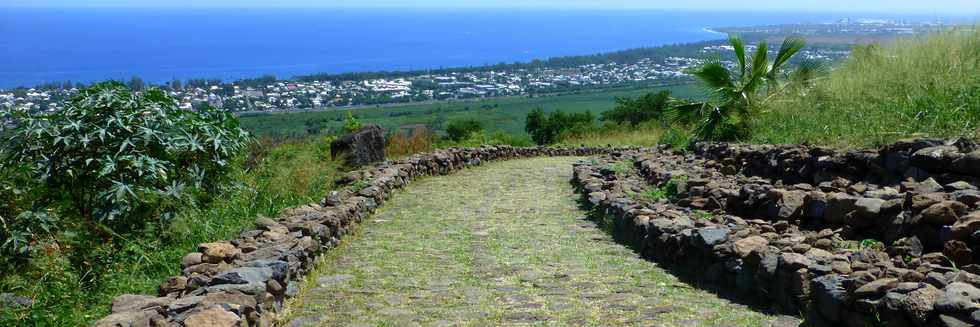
x: 278, y: 174
x: 923, y: 86
x: 498, y: 114
x: 614, y: 135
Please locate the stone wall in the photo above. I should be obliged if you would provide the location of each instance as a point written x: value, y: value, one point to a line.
x: 244, y: 281
x: 851, y: 238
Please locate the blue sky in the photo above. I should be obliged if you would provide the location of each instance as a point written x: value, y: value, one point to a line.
x: 967, y: 7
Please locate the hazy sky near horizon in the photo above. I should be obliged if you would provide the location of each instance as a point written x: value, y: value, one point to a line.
x: 965, y: 7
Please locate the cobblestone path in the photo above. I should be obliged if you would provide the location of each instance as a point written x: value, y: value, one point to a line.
x: 502, y: 244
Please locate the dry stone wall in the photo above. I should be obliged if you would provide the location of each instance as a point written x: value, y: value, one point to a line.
x: 244, y: 281
x: 850, y: 238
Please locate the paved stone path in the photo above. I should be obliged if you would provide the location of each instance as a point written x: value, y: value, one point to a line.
x: 502, y: 244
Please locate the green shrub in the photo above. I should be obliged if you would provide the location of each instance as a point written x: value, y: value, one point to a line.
x: 117, y: 158
x: 549, y: 129
x: 460, y: 129
x: 352, y: 124
x: 648, y: 107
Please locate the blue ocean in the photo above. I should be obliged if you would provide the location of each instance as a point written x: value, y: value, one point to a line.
x: 84, y: 45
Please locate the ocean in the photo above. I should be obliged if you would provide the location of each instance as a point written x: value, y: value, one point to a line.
x: 84, y: 45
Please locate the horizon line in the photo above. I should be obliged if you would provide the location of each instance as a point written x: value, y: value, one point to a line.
x: 958, y: 13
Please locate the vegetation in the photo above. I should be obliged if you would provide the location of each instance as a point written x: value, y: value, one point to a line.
x: 498, y: 114
x: 737, y: 96
x: 923, y: 86
x: 460, y: 129
x: 547, y: 129
x: 104, y: 197
x: 651, y: 106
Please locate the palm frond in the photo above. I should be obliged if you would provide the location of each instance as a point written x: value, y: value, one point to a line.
x: 791, y: 46
x: 739, y: 47
x: 715, y: 75
x: 808, y: 70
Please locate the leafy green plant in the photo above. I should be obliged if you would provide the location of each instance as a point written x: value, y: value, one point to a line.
x: 116, y: 158
x: 352, y: 124
x: 548, y: 129
x: 459, y: 129
x: 651, y: 106
x: 622, y: 167
x: 667, y: 191
x: 872, y: 244
x: 739, y: 94
x: 702, y: 215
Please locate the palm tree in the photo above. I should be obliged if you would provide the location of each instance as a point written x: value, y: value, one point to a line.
x: 737, y: 94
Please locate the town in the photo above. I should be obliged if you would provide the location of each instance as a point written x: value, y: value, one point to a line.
x: 276, y: 95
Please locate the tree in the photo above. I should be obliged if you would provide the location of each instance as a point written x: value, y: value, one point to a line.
x: 651, y: 106
x: 737, y: 95
x: 546, y: 130
x: 461, y: 129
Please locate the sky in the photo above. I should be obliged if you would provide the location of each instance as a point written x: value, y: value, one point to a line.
x: 965, y: 7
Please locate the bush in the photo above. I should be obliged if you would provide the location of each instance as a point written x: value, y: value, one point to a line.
x: 546, y: 130
x: 116, y: 158
x: 352, y: 124
x: 460, y: 129
x: 651, y: 106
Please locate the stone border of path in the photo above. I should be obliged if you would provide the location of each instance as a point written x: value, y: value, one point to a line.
x: 920, y: 197
x: 245, y: 281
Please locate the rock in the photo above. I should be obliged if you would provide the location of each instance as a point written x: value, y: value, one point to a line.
x: 830, y: 296
x: 710, y: 236
x: 875, y: 288
x: 243, y: 275
x: 360, y: 148
x: 173, y: 285
x: 958, y: 252
x: 213, y: 316
x: 950, y: 321
x: 130, y: 302
x: 958, y: 298
x: 140, y: 318
x: 959, y: 186
x: 965, y: 226
x: 794, y: 261
x: 13, y: 300
x: 968, y: 197
x: 937, y: 158
x: 943, y: 213
x: 918, y: 304
x: 218, y: 252
x: 597, y: 197
x: 789, y: 204
x: 865, y: 212
x: 816, y: 205
x: 838, y: 206
x: 746, y: 246
x: 969, y: 164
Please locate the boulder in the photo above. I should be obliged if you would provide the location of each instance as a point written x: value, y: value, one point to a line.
x: 838, y: 206
x: 968, y: 164
x: 918, y: 304
x: 130, y: 302
x: 142, y: 318
x: 360, y: 148
x: 875, y: 288
x: 218, y: 252
x: 958, y: 298
x: 943, y: 213
x: 746, y: 246
x: 958, y: 252
x: 936, y: 158
x: 243, y: 275
x: 965, y: 226
x: 212, y: 316
x: 711, y: 236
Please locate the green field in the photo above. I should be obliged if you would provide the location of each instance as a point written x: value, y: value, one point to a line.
x: 504, y: 114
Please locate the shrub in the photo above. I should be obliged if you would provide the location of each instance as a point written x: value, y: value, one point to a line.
x: 651, y: 106
x: 352, y: 124
x: 460, y: 129
x: 549, y: 129
x: 116, y: 158
x: 402, y: 144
